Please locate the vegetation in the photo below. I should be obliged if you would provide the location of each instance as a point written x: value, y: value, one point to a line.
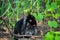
x: 10, y: 11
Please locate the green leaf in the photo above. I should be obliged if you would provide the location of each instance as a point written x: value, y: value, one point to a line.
x: 58, y: 2
x: 56, y: 16
x: 50, y: 23
x: 52, y: 35
x: 54, y: 5
x: 55, y: 24
x: 59, y: 11
x: 57, y: 37
x: 23, y: 3
x: 38, y: 7
x: 39, y: 17
x: 47, y: 6
x: 47, y: 15
x: 35, y: 15
x: 49, y: 36
x: 57, y: 33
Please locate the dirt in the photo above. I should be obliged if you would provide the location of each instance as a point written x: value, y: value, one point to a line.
x: 4, y: 38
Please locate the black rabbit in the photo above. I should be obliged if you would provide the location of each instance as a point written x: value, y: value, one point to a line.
x: 26, y: 26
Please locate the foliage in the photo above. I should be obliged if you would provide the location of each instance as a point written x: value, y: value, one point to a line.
x: 40, y: 9
x: 56, y: 16
x: 54, y: 6
x: 47, y: 6
x: 49, y: 36
x: 39, y: 17
x: 52, y: 36
x: 53, y: 24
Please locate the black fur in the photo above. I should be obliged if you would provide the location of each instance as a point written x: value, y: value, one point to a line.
x: 19, y: 25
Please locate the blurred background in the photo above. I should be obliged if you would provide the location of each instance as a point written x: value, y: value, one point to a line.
x: 46, y: 12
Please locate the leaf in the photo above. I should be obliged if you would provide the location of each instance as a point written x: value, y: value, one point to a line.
x: 57, y: 33
x: 56, y: 16
x: 54, y: 5
x: 47, y: 6
x: 50, y: 23
x: 55, y: 24
x: 51, y: 9
x: 57, y: 37
x: 38, y: 7
x: 58, y: 2
x: 59, y: 11
x: 47, y: 15
x: 40, y: 17
x: 49, y: 36
x: 23, y: 3
x: 35, y: 15
x: 52, y: 36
